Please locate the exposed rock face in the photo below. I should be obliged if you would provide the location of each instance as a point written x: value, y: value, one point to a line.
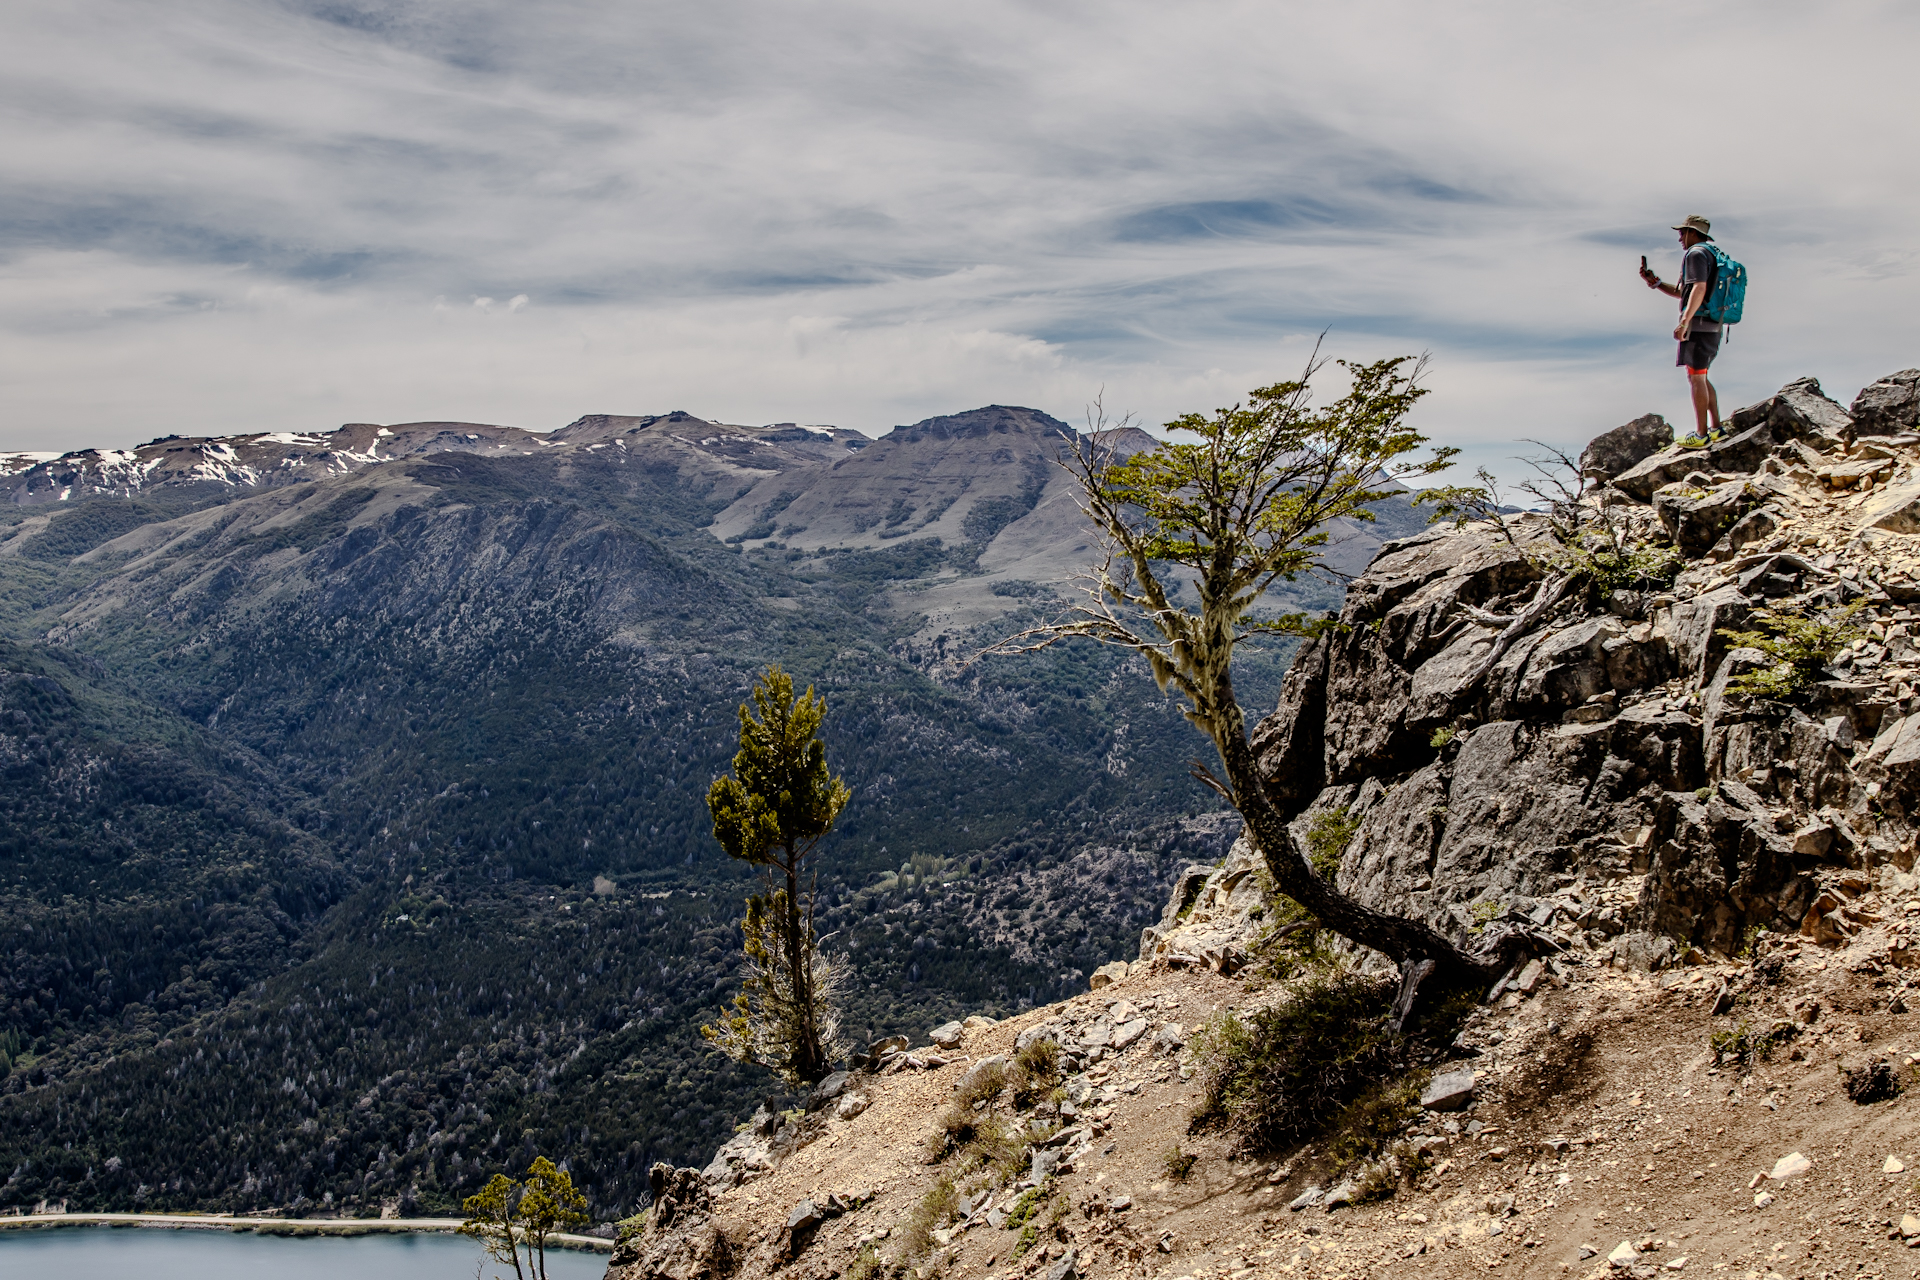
x: 681, y: 1241
x: 1889, y: 406
x: 1604, y: 752
x: 1210, y: 913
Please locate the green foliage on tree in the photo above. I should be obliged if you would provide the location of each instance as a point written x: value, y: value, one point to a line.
x: 492, y: 1220
x: 1241, y: 509
x: 507, y: 1216
x: 772, y: 812
x: 548, y: 1203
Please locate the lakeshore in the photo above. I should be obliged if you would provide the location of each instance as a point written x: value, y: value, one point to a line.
x: 292, y: 1227
x: 155, y: 1251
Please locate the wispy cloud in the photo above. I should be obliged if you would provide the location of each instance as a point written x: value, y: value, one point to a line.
x: 228, y: 215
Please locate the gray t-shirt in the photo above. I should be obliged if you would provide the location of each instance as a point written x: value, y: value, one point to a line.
x: 1698, y: 266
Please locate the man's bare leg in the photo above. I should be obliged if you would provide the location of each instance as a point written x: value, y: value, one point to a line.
x: 1706, y: 404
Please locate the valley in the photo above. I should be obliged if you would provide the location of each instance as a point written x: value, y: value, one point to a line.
x: 354, y: 842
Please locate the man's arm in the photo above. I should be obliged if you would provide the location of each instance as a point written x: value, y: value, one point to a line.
x: 1655, y: 283
x: 1695, y: 301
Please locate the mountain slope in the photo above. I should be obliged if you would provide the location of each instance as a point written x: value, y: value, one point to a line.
x: 482, y: 685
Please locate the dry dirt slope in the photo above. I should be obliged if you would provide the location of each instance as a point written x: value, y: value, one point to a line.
x: 1602, y: 1119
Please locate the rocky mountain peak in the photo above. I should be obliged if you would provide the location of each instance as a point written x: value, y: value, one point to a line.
x: 990, y: 420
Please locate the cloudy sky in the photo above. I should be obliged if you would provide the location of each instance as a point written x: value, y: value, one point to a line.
x: 230, y: 215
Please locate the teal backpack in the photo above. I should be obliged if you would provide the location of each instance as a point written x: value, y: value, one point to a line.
x: 1729, y: 293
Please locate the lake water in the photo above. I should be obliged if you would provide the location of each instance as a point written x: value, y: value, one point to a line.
x: 144, y: 1253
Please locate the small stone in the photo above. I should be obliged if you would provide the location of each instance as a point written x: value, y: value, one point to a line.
x: 1107, y: 974
x: 1910, y: 1226
x: 1677, y: 1263
x: 827, y: 1090
x: 1791, y: 1165
x: 1448, y: 1092
x: 1529, y: 977
x: 1307, y: 1199
x: 1063, y: 1269
x: 802, y: 1218
x: 1120, y: 1204
x: 1762, y: 1200
x: 947, y: 1034
x: 1588, y: 1251
x: 1893, y: 1165
x: 1623, y: 1255
x: 851, y: 1105
x: 1127, y: 1032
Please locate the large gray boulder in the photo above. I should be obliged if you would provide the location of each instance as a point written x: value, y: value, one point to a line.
x: 1799, y: 410
x: 1719, y: 866
x: 1615, y: 452
x: 1889, y: 406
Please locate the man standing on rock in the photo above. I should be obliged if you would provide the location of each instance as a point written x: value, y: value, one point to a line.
x: 1699, y: 337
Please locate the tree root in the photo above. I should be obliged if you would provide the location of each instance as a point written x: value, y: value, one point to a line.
x: 1513, y: 626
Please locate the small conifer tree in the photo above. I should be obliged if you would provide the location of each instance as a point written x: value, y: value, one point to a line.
x: 506, y: 1215
x: 773, y: 810
x: 548, y: 1204
x: 492, y: 1218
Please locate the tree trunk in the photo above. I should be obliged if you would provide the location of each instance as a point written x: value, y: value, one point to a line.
x: 1405, y: 941
x: 806, y: 1048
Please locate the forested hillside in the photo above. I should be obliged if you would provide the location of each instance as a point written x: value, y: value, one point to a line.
x: 354, y: 833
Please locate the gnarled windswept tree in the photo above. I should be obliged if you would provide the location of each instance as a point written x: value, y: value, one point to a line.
x: 1243, y: 507
x: 773, y: 810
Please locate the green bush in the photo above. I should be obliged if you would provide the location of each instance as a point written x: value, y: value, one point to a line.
x: 1279, y: 1073
x: 1746, y: 1043
x: 1368, y: 1125
x: 1612, y: 562
x: 1179, y: 1164
x: 1036, y: 1073
x: 1801, y: 644
x: 1328, y: 835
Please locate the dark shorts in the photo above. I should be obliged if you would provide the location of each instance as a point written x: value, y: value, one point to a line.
x: 1697, y: 350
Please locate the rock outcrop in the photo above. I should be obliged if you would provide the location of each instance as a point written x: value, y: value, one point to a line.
x: 1599, y: 779
x: 1602, y: 751
x: 681, y: 1240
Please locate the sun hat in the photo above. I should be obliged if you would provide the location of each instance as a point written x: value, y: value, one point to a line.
x: 1694, y: 222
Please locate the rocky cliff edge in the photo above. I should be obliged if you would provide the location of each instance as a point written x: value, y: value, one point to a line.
x: 1730, y: 880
